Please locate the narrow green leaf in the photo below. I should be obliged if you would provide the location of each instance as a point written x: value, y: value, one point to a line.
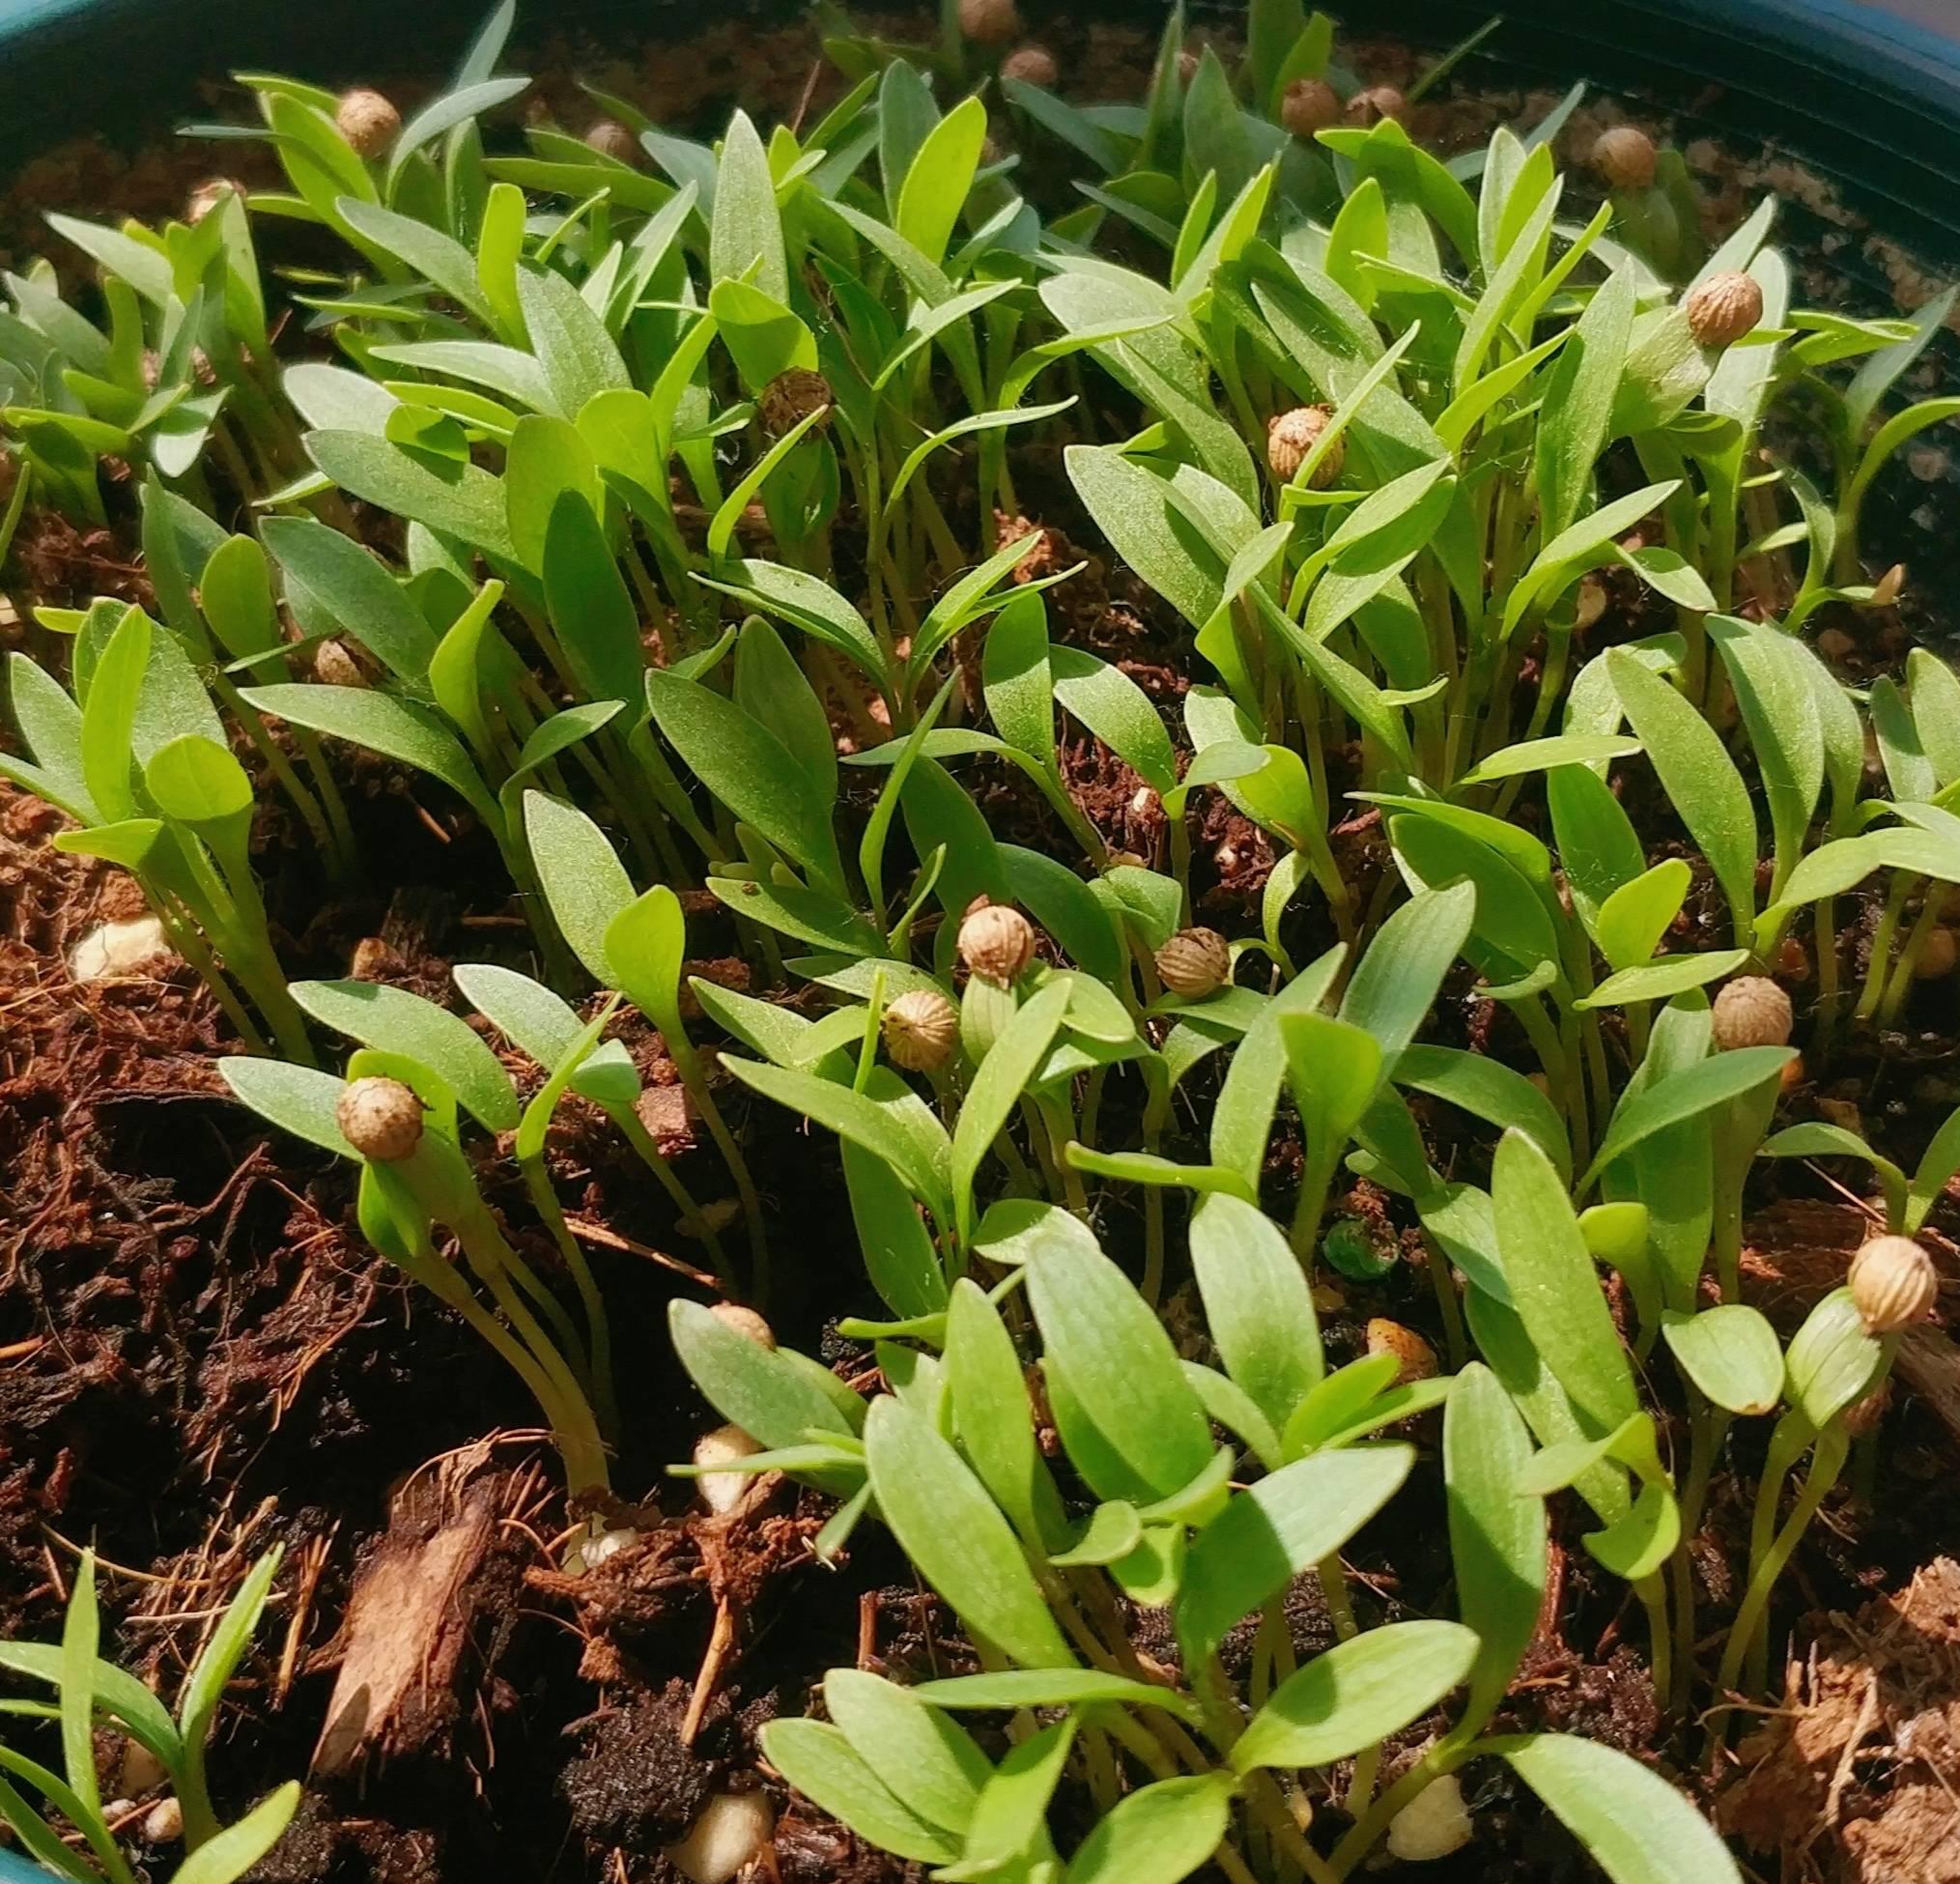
x: 1637, y: 1827
x: 391, y: 1019
x: 821, y: 1764
x: 1157, y: 1835
x: 1266, y: 1535
x: 1731, y: 1352
x: 956, y: 1537
x: 1357, y: 1694
x: 1258, y: 1304
x: 1553, y: 1289
x: 1498, y: 1541
x: 1700, y: 778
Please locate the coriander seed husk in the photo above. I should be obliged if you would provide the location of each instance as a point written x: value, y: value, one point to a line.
x: 1032, y: 65
x: 1724, y: 308
x: 163, y: 1823
x: 921, y: 1029
x: 997, y: 943
x: 727, y: 1445
x: 1368, y: 107
x: 368, y: 121
x: 611, y: 138
x: 989, y: 22
x: 790, y: 397
x: 725, y: 1840
x: 1195, y: 962
x: 1625, y: 158
x: 1308, y: 106
x: 745, y: 1321
x: 1414, y: 1358
x: 381, y: 1118
x: 333, y: 665
x: 1435, y: 1824
x: 1939, y: 952
x: 208, y: 194
x: 1894, y: 1283
x: 1291, y: 435
x: 1752, y: 1011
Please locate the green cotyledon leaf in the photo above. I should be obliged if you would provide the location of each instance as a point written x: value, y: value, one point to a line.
x: 749, y: 769
x: 1121, y: 1367
x: 1159, y: 1834
x: 1357, y: 1694
x: 1553, y: 1287
x: 956, y: 1537
x: 1499, y: 1540
x: 1266, y: 1535
x: 1700, y: 778
x: 1635, y: 1825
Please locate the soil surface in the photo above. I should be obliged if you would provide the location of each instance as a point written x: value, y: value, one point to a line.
x: 199, y: 1358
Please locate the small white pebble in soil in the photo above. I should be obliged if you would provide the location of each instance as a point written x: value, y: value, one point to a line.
x: 721, y: 1491
x: 163, y: 1823
x: 1435, y: 1824
x: 731, y: 1833
x: 117, y: 949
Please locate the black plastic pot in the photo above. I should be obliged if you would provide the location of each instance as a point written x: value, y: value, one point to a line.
x: 1865, y: 91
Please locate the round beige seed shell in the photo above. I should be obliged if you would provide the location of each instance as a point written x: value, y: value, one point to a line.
x: 381, y: 1118
x: 1894, y: 1283
x: 1752, y: 1011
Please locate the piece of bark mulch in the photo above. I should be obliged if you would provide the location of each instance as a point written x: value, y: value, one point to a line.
x: 1851, y: 1781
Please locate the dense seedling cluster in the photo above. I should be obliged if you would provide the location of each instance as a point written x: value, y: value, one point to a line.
x: 662, y: 503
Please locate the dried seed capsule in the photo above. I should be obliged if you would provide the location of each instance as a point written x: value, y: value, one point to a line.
x: 1894, y: 1283
x: 333, y: 665
x: 1625, y: 158
x: 1886, y: 591
x: 208, y: 194
x: 611, y: 138
x: 1032, y: 65
x: 1308, y: 106
x: 1195, y: 962
x: 1724, y: 308
x: 921, y: 1029
x: 744, y: 1320
x: 368, y: 121
x: 1752, y: 1011
x: 1291, y: 435
x: 1414, y: 1358
x: 381, y: 1118
x: 997, y: 943
x: 1378, y: 101
x: 790, y: 397
x: 989, y: 22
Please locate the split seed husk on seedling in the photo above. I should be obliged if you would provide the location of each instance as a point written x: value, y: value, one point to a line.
x: 1894, y: 1283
